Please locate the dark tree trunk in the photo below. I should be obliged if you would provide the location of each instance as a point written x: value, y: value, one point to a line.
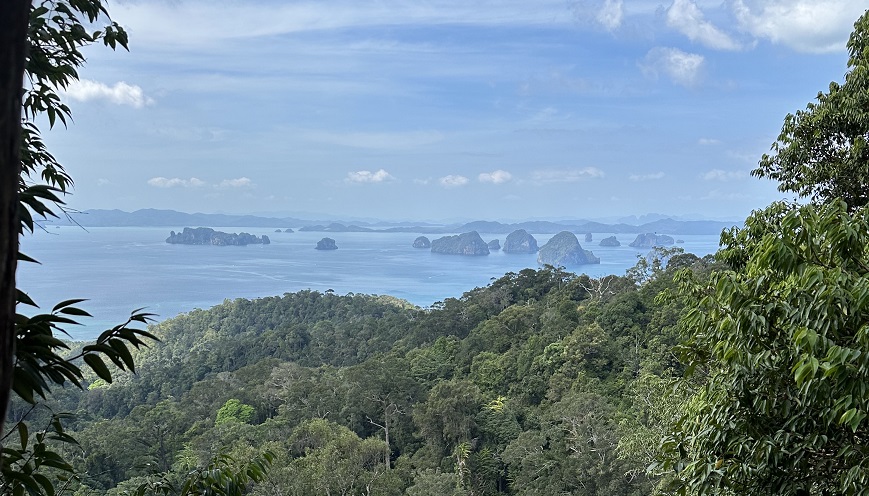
x: 14, y: 18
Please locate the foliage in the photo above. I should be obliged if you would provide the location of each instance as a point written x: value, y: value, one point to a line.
x: 520, y: 387
x: 41, y: 363
x: 525, y: 386
x: 221, y: 477
x: 822, y: 152
x: 234, y: 411
x: 778, y: 350
x: 57, y: 32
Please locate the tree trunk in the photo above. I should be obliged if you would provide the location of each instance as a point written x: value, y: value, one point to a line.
x: 14, y: 19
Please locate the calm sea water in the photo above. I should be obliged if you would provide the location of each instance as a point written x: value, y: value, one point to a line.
x: 122, y: 269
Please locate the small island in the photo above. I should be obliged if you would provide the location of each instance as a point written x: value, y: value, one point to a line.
x: 610, y: 241
x: 208, y: 236
x: 519, y: 241
x: 470, y: 244
x: 326, y: 244
x: 564, y: 249
x: 421, y: 242
x: 651, y: 240
x: 494, y: 245
x: 588, y: 238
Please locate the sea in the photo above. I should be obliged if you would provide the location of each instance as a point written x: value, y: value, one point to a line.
x: 121, y: 269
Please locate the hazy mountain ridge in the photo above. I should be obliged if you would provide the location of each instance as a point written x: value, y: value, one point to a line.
x: 171, y: 218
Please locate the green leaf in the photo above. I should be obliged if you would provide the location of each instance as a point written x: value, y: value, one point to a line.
x: 98, y: 366
x: 23, y: 435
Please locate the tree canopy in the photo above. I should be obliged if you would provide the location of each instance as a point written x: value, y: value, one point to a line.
x: 777, y: 344
x: 823, y: 151
x: 778, y: 352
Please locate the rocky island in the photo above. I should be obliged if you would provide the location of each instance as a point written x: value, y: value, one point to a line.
x: 519, y: 241
x: 494, y: 245
x: 588, y: 238
x: 651, y: 240
x: 610, y: 241
x: 326, y: 244
x: 421, y: 242
x: 469, y: 243
x: 208, y: 236
x: 564, y: 249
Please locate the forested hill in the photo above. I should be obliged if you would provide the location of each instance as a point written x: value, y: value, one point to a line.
x: 541, y: 383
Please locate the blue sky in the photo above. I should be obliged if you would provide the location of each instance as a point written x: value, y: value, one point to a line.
x: 446, y: 109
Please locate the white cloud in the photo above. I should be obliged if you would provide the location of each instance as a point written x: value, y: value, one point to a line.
x: 366, y: 176
x: 814, y: 26
x: 452, y: 181
x: 193, y: 182
x: 610, y: 14
x: 646, y: 177
x: 163, y: 182
x: 120, y: 94
x: 685, y: 17
x: 102, y: 181
x: 722, y: 175
x: 241, y: 182
x: 708, y: 141
x: 565, y: 175
x: 682, y: 67
x: 495, y: 177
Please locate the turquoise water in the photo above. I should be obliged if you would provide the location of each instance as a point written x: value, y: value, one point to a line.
x: 122, y: 269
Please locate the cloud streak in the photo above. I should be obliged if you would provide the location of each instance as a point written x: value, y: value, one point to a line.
x: 646, y: 177
x: 453, y: 181
x: 722, y: 175
x: 241, y: 182
x: 200, y: 22
x: 495, y: 177
x: 685, y: 17
x: 546, y: 176
x: 813, y: 26
x: 682, y: 68
x: 175, y: 182
x: 194, y: 182
x: 382, y: 141
x: 366, y: 176
x: 611, y: 14
x: 120, y: 93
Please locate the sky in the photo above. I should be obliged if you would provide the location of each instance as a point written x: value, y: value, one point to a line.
x: 446, y: 109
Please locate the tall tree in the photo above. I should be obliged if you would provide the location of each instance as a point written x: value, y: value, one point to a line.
x: 778, y: 349
x: 13, y: 46
x: 823, y: 151
x: 39, y: 55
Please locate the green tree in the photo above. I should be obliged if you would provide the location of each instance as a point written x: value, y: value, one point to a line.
x: 42, y: 42
x: 332, y: 459
x: 823, y: 151
x: 777, y: 350
x: 40, y: 54
x: 234, y: 411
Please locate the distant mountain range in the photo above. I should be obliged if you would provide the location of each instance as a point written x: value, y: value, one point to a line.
x: 173, y: 219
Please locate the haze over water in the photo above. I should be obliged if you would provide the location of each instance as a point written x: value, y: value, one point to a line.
x: 122, y: 269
